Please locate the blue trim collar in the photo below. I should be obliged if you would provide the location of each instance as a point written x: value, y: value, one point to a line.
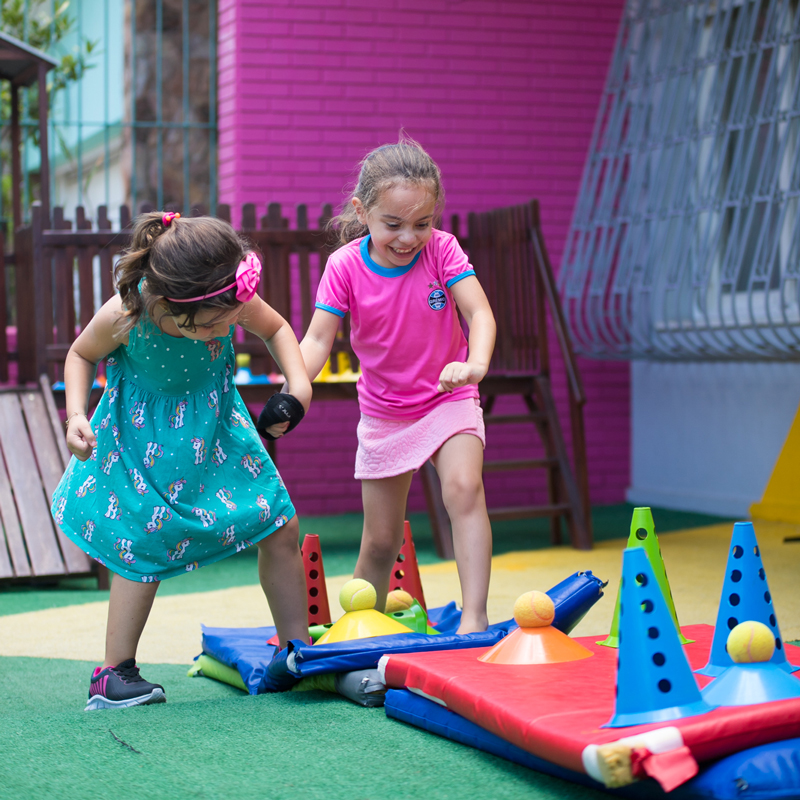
x: 394, y: 272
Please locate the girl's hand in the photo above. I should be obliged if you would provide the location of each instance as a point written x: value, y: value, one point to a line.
x: 281, y: 413
x: 460, y: 373
x: 80, y: 437
x: 277, y: 430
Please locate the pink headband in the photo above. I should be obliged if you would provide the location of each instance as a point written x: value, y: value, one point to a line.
x: 248, y: 274
x: 168, y: 217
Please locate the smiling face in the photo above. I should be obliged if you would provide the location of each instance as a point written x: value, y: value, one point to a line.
x: 400, y: 223
x: 209, y: 323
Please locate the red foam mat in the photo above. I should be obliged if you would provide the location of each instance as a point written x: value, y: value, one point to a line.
x: 555, y: 710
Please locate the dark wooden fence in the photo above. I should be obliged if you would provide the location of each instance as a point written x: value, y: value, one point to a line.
x: 62, y: 269
x: 59, y: 280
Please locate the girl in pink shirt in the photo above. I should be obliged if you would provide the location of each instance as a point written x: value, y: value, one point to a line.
x: 403, y: 282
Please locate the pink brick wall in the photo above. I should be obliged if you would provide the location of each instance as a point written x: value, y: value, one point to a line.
x: 502, y: 94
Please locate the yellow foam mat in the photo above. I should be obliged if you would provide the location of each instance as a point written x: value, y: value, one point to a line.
x: 695, y: 561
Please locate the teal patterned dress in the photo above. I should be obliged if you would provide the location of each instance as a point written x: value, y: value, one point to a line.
x: 180, y: 477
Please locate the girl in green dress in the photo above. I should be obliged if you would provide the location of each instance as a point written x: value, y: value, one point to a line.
x: 170, y: 474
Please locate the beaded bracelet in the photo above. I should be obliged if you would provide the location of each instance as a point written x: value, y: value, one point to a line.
x: 73, y: 414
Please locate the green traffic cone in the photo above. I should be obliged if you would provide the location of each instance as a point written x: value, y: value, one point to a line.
x: 643, y: 534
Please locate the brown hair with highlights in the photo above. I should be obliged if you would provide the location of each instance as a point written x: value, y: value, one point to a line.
x: 384, y: 168
x: 189, y: 257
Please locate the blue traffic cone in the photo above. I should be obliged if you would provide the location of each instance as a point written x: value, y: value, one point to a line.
x: 745, y: 596
x: 654, y: 680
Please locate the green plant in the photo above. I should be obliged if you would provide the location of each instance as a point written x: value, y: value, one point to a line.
x: 43, y: 25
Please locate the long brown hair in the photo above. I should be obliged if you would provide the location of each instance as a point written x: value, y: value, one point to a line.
x: 385, y: 167
x: 189, y: 257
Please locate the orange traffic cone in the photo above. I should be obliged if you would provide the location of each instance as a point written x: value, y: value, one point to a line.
x: 405, y: 574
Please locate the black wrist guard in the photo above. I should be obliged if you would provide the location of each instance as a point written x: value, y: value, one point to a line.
x: 281, y: 407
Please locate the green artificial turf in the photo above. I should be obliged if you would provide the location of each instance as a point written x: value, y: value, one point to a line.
x: 339, y: 541
x: 212, y: 741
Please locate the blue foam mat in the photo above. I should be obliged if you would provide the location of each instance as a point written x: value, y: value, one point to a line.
x: 767, y: 772
x: 245, y: 649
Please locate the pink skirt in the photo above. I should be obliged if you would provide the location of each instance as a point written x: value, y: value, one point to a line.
x: 393, y: 447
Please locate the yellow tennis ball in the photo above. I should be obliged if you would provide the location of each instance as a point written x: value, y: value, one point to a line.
x: 356, y: 595
x: 398, y: 600
x: 534, y: 610
x: 751, y: 642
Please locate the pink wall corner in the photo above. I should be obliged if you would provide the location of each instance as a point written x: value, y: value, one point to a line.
x: 502, y: 94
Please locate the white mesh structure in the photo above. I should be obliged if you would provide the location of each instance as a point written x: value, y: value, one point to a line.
x: 685, y: 241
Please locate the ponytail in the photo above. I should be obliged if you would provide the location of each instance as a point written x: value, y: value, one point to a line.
x: 132, y: 268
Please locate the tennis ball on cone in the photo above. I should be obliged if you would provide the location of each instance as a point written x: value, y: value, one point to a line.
x: 357, y: 595
x: 398, y: 600
x: 750, y: 643
x: 534, y: 610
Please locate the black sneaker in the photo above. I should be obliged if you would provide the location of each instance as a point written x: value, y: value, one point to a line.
x: 122, y: 686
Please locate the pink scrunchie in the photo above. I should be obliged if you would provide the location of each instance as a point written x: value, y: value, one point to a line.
x: 248, y: 274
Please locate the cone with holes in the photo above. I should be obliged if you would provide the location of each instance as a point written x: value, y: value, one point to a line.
x: 361, y: 620
x: 643, y: 535
x: 405, y: 574
x: 745, y: 596
x: 319, y: 612
x: 536, y: 641
x: 752, y: 678
x: 654, y: 680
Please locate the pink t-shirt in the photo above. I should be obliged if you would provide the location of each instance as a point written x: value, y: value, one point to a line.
x: 404, y: 326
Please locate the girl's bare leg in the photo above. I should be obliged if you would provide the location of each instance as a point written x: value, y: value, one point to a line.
x: 459, y: 462
x: 280, y: 571
x: 129, y: 607
x: 384, y: 512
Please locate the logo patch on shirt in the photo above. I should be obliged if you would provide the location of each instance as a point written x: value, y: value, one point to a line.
x: 437, y: 299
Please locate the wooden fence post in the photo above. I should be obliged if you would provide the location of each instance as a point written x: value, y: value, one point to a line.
x: 42, y: 292
x: 24, y: 289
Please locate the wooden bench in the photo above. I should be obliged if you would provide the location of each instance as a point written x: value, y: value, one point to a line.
x: 32, y: 546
